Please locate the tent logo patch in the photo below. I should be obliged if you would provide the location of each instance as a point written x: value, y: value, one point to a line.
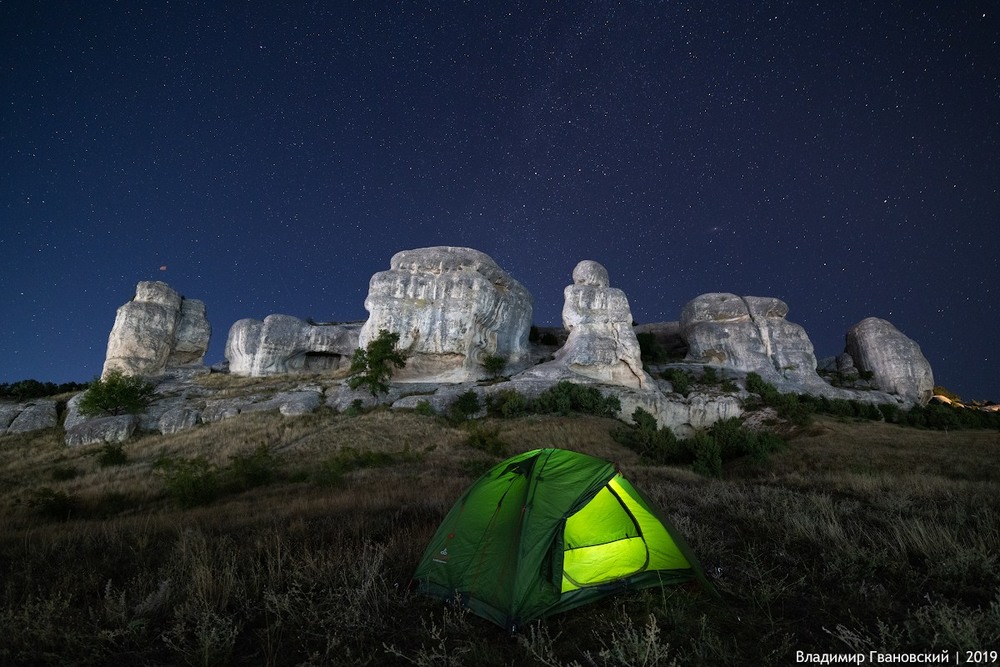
x: 442, y: 557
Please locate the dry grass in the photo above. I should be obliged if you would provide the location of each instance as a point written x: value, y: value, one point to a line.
x: 856, y: 537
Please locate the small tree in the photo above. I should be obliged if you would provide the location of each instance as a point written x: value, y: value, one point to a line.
x: 372, y: 367
x: 494, y: 364
x: 117, y: 394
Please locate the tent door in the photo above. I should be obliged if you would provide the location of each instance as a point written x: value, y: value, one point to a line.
x: 602, y: 542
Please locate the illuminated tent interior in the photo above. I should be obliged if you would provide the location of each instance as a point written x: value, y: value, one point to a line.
x: 546, y: 531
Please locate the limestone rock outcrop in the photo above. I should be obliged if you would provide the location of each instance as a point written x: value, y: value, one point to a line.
x: 749, y: 334
x: 157, y: 329
x: 102, y: 429
x: 31, y: 416
x: 601, y: 345
x: 452, y: 307
x: 895, y: 361
x: 286, y: 344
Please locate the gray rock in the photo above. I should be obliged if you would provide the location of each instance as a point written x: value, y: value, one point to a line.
x: 102, y: 429
x: 749, y: 334
x: 223, y: 408
x: 191, y: 336
x: 34, y: 416
x: 156, y: 329
x: 73, y: 416
x: 601, y: 345
x: 8, y: 411
x: 896, y: 362
x: 452, y: 307
x: 178, y: 419
x: 285, y: 344
x: 298, y: 403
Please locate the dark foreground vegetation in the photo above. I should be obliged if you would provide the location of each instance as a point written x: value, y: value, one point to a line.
x: 267, y: 540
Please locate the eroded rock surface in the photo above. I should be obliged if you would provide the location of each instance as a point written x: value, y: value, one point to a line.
x: 601, y: 345
x: 158, y: 328
x: 895, y: 361
x: 452, y: 307
x: 286, y: 344
x: 749, y: 334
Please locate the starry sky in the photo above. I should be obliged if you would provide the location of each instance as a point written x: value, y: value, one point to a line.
x: 269, y: 157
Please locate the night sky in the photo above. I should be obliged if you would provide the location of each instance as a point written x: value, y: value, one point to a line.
x: 840, y: 155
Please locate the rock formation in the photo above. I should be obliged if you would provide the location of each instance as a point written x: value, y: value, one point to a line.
x: 601, y: 345
x: 102, y: 429
x: 155, y: 330
x: 30, y: 416
x: 286, y: 344
x: 749, y: 334
x: 895, y: 361
x: 451, y: 307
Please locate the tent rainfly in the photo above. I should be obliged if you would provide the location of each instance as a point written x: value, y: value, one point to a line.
x: 546, y: 531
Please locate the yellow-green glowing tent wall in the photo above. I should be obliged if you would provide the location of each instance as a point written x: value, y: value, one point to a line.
x: 546, y: 531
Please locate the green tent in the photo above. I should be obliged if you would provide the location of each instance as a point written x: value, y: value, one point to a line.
x: 546, y: 531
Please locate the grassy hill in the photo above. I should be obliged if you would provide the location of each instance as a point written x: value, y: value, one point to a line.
x: 266, y: 540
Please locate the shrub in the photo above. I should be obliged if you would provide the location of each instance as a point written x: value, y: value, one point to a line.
x: 709, y: 376
x: 372, y: 367
x: 566, y: 397
x: 111, y: 454
x: 53, y: 504
x: 424, y: 408
x: 487, y: 440
x: 707, y: 455
x: 656, y: 445
x: 257, y: 468
x: 356, y: 407
x: 507, y: 403
x: 729, y: 386
x: 117, y: 394
x: 679, y: 380
x: 890, y: 412
x: 464, y: 406
x: 190, y: 482
x: 494, y: 364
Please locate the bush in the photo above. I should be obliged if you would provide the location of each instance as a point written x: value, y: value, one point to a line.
x: 356, y: 408
x: 487, y: 440
x: 728, y: 386
x: 507, y: 403
x: 654, y: 444
x: 494, y: 364
x: 464, y: 406
x: 424, y: 408
x: 117, y: 394
x: 111, y: 454
x: 52, y: 504
x: 709, y: 376
x: 257, y: 468
x: 679, y: 380
x: 707, y: 455
x: 190, y: 482
x: 565, y: 398
x: 372, y: 367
